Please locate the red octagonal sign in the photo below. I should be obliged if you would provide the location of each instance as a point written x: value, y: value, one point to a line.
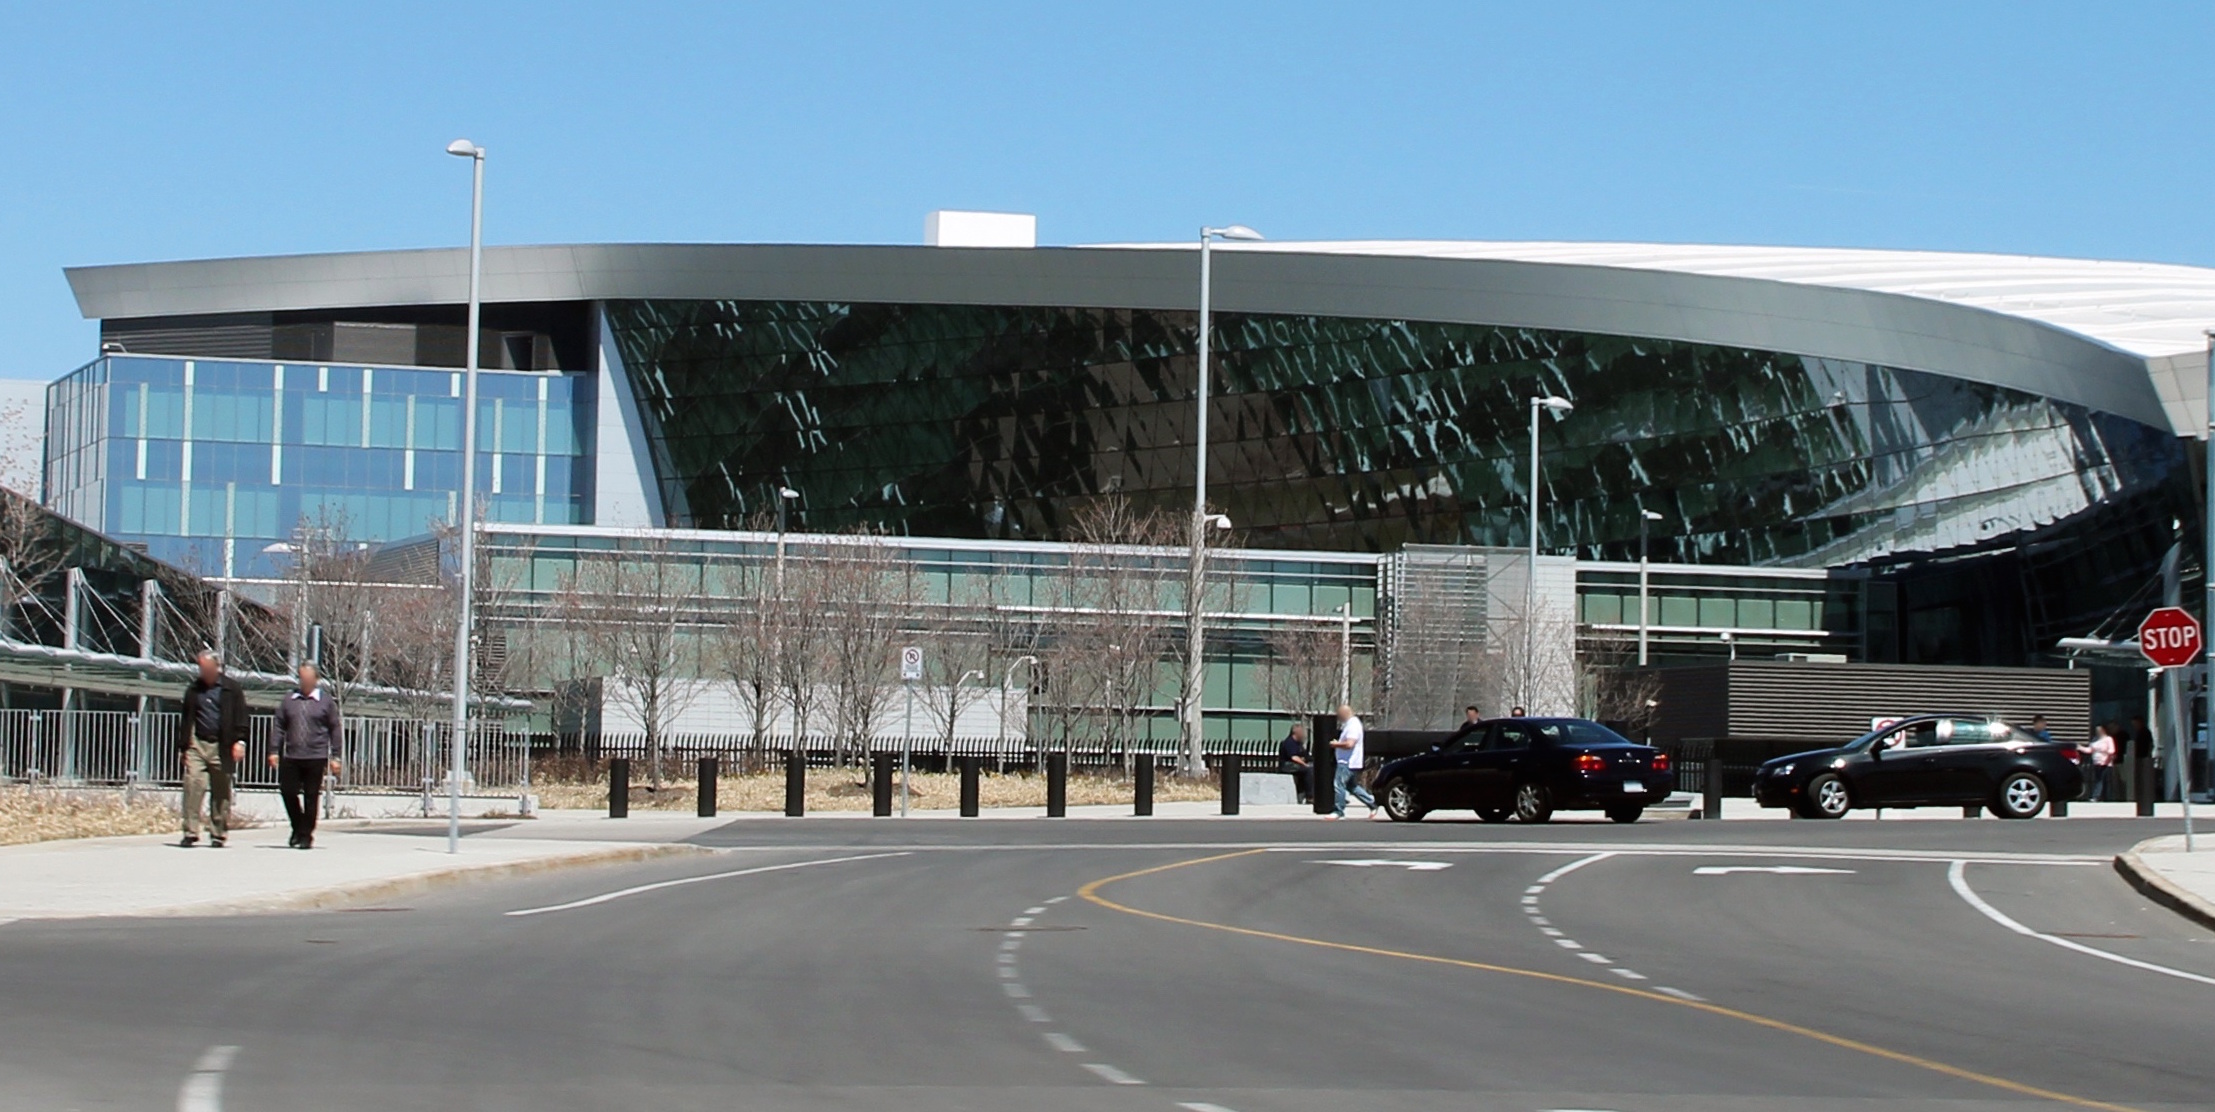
x: 2169, y: 637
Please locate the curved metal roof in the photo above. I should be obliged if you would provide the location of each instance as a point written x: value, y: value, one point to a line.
x: 2124, y: 338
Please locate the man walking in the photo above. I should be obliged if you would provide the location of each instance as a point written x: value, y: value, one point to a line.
x: 308, y: 736
x: 211, y: 740
x: 1347, y: 778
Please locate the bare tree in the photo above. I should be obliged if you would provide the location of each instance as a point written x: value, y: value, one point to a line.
x: 1303, y: 670
x: 745, y: 647
x: 30, y: 555
x: 957, y: 644
x: 1612, y: 689
x: 631, y: 610
x: 867, y: 598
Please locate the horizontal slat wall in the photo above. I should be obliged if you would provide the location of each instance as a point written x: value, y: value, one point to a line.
x: 1831, y: 703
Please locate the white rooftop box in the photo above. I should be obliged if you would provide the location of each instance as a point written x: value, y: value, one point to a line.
x: 954, y: 228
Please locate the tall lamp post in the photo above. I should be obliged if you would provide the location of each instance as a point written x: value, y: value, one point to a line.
x: 785, y: 494
x: 1195, y: 673
x: 1645, y: 518
x: 1530, y: 579
x: 1007, y: 680
x: 465, y: 513
x: 1345, y: 653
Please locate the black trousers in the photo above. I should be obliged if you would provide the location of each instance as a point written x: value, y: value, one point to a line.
x: 301, y: 782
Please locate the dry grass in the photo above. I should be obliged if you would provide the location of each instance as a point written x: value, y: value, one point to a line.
x: 47, y: 814
x: 831, y: 789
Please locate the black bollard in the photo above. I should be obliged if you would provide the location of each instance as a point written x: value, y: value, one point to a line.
x: 971, y: 767
x: 2059, y: 808
x: 708, y: 768
x: 1711, y: 787
x: 795, y: 783
x: 880, y: 784
x: 1057, y: 785
x: 1227, y: 768
x: 1971, y: 810
x: 1322, y: 777
x: 619, y: 788
x: 1142, y: 786
x: 2141, y: 789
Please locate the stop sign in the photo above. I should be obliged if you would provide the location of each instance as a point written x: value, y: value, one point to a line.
x: 2169, y: 637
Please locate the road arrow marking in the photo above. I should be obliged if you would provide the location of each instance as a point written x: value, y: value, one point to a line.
x: 1373, y: 862
x: 1780, y: 870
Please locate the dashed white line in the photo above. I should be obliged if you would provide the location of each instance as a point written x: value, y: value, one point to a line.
x: 1569, y: 944
x: 1628, y: 974
x: 1015, y: 991
x: 1550, y: 932
x: 1573, y: 866
x: 1200, y: 1106
x: 1957, y: 875
x: 1005, y: 958
x: 1007, y: 972
x: 1063, y: 1043
x: 1680, y: 994
x: 1034, y: 1013
x: 1034, y: 910
x: 203, y: 1087
x: 1020, y: 921
x: 1597, y: 959
x: 1056, y: 900
x: 1111, y: 1075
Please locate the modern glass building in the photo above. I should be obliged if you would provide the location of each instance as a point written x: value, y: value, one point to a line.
x: 1971, y: 456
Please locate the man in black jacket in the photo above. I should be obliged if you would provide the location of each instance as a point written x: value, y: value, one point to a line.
x: 308, y: 733
x: 211, y: 740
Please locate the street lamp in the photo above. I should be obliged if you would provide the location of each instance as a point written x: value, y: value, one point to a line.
x: 1345, y: 653
x: 1195, y: 674
x: 1645, y: 518
x: 784, y: 494
x: 466, y: 509
x: 1007, y: 680
x: 1562, y: 406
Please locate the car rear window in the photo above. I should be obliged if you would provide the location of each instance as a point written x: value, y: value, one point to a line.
x: 1578, y: 732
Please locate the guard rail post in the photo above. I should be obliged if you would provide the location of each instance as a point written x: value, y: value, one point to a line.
x: 880, y: 784
x: 795, y: 782
x: 970, y: 769
x: 708, y: 769
x: 1227, y: 767
x: 1142, y: 786
x: 1057, y: 785
x: 619, y: 788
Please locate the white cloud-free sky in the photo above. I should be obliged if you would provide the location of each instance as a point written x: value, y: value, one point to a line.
x: 175, y: 131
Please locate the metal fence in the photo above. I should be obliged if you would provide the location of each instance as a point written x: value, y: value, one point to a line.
x: 119, y: 747
x: 739, y: 751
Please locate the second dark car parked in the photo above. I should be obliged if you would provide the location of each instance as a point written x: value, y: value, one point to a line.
x: 1933, y: 759
x: 1528, y: 768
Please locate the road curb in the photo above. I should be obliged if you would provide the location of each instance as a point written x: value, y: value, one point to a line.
x: 386, y: 888
x: 2161, y: 890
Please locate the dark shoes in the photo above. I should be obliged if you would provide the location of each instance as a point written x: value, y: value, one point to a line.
x: 216, y: 842
x: 301, y: 841
x: 188, y: 841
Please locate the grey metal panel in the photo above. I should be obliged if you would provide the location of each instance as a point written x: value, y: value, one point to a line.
x: 1889, y: 329
x: 1828, y: 704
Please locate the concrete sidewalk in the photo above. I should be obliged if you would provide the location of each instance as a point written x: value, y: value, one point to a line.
x: 2185, y: 882
x: 352, y: 863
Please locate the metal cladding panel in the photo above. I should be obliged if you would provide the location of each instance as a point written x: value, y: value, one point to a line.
x: 1887, y: 329
x: 1829, y: 704
x: 1695, y: 703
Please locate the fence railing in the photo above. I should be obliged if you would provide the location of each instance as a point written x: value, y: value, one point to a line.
x: 118, y: 747
x: 738, y: 751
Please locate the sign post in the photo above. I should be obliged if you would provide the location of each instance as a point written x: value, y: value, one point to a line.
x: 2170, y: 638
x: 911, y: 670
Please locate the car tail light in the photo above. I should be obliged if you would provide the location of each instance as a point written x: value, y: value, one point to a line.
x: 1661, y: 762
x: 1590, y: 762
x: 2074, y: 753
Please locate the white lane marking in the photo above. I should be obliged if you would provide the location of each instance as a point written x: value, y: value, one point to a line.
x: 1596, y: 959
x: 1628, y: 974
x: 1666, y: 849
x: 1034, y: 911
x: 1780, y: 870
x: 1033, y: 1012
x: 604, y: 897
x: 1550, y: 932
x: 1111, y: 1075
x: 1020, y: 921
x: 1573, y: 866
x: 1569, y: 944
x: 1200, y: 1106
x: 1011, y: 945
x: 1957, y: 875
x: 1538, y: 920
x: 1376, y: 862
x: 1679, y: 994
x: 1007, y: 972
x: 1534, y: 889
x: 203, y: 1087
x: 1057, y: 899
x: 1064, y: 1043
x: 1530, y: 902
x: 1005, y: 959
x: 1015, y: 991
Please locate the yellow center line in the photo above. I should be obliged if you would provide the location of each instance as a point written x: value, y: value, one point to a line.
x: 1091, y: 892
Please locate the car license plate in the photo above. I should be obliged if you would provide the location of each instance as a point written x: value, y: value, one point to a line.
x: 1633, y: 786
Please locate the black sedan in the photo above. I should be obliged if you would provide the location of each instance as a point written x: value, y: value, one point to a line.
x: 1932, y: 759
x: 1528, y: 768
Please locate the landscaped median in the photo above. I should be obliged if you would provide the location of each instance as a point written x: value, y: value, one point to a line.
x: 42, y: 814
x: 2183, y: 882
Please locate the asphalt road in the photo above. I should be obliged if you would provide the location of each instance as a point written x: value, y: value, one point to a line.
x: 1252, y: 966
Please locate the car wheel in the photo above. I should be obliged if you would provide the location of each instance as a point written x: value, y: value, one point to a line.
x: 1400, y: 803
x: 1625, y: 814
x: 1533, y: 803
x: 2021, y: 796
x: 1827, y: 798
x: 1493, y: 814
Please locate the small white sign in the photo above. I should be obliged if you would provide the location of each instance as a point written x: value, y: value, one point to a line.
x: 1883, y: 723
x: 911, y: 664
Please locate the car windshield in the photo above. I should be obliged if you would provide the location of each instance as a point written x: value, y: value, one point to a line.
x: 1577, y: 731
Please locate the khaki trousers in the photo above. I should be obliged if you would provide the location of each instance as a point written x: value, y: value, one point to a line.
x: 205, y: 778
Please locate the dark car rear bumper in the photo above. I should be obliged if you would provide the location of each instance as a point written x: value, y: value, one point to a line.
x: 1600, y: 795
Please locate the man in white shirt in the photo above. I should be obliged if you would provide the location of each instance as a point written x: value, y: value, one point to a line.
x: 1347, y: 776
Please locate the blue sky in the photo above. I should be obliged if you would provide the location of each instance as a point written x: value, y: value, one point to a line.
x: 179, y: 131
